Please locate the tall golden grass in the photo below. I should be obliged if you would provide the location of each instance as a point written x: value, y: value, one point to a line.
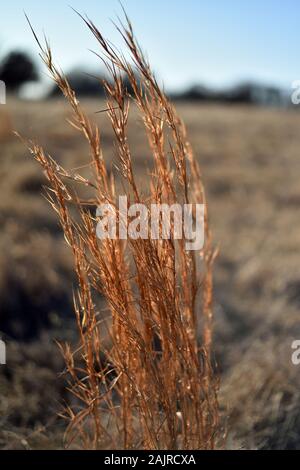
x: 141, y: 376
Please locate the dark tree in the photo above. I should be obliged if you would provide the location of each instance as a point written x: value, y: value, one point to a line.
x: 16, y: 69
x: 82, y: 83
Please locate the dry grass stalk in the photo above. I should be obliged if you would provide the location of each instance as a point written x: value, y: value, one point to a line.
x: 140, y: 396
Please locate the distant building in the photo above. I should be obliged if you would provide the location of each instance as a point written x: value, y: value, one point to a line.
x: 255, y: 94
x: 244, y: 93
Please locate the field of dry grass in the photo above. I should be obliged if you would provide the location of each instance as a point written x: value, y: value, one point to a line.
x: 250, y: 163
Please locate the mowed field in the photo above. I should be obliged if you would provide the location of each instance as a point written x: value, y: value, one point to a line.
x: 250, y: 160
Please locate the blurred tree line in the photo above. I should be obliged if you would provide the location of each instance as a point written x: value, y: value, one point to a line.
x: 17, y: 68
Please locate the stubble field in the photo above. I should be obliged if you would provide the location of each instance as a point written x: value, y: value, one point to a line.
x: 250, y: 164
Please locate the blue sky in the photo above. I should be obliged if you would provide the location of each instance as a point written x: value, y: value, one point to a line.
x: 215, y: 42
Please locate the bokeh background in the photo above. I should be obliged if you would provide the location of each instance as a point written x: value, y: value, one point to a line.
x: 229, y: 66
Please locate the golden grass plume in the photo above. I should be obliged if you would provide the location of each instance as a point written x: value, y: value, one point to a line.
x: 142, y: 375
